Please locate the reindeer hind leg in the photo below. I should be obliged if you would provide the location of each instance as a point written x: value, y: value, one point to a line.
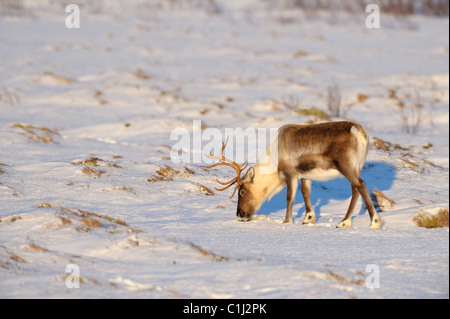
x: 352, y: 175
x: 375, y: 220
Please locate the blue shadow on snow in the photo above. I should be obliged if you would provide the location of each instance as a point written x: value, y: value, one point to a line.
x: 376, y: 175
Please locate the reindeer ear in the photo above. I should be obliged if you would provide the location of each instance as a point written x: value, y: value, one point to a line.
x: 249, y: 175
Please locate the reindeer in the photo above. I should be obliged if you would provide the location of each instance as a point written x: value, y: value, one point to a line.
x: 304, y: 152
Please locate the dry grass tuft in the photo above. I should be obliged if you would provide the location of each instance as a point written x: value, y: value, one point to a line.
x: 87, y: 218
x: 205, y: 253
x: 105, y: 217
x: 380, y: 144
x: 381, y: 201
x: 345, y: 280
x: 10, y: 219
x: 92, y: 161
x: 409, y: 164
x: 397, y: 8
x: 52, y: 77
x: 386, y: 146
x: 73, y: 278
x: 299, y: 54
x: 334, y: 104
x: 361, y: 98
x: 291, y: 102
x: 35, y: 247
x: 12, y: 256
x: 154, y: 178
x: 167, y: 173
x: 410, y: 161
x: 95, y: 161
x: 90, y: 222
x: 343, y: 277
x: 44, y: 205
x: 439, y: 219
x: 140, y: 74
x: 411, y: 111
x: 314, y: 112
x: 204, y: 190
x: 17, y: 258
x: 9, y: 97
x: 64, y: 221
x: 36, y: 133
x: 93, y: 172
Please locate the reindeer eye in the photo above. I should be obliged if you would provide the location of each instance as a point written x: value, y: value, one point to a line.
x: 242, y: 192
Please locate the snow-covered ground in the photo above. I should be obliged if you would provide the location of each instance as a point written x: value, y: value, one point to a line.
x: 87, y: 183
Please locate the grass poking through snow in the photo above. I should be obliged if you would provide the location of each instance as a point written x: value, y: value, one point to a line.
x: 429, y: 220
x: 37, y: 134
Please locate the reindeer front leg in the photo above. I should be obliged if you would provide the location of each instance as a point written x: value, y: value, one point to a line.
x: 347, y: 221
x: 292, y: 185
x: 310, y: 216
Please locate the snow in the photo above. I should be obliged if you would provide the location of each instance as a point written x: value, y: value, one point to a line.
x: 115, y: 90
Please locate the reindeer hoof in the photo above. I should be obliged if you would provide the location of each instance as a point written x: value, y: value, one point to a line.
x: 310, y: 218
x: 345, y: 224
x: 288, y: 221
x: 376, y: 222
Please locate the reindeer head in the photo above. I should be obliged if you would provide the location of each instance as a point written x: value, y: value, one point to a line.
x: 248, y: 200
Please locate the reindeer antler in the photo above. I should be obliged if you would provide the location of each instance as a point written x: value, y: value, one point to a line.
x: 227, y: 162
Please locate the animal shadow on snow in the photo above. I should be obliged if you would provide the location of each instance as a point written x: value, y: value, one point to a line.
x: 375, y: 174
